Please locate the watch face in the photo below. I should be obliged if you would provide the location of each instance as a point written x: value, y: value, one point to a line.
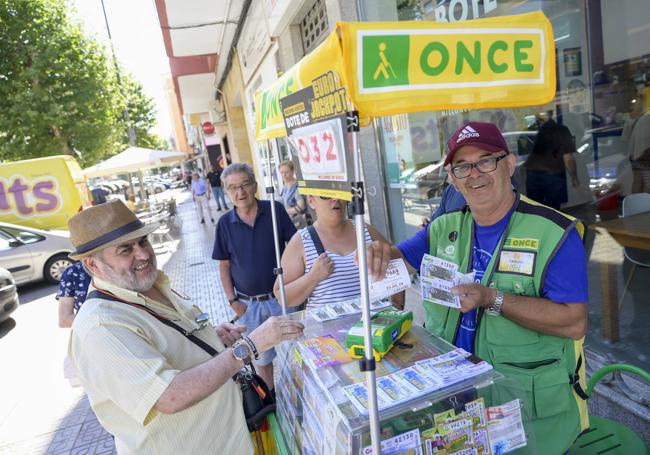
x: 241, y: 351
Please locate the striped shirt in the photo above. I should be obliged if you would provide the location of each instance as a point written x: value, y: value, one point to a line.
x: 343, y: 283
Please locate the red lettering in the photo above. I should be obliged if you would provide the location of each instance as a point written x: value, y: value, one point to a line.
x: 41, y: 192
x: 303, y: 149
x: 18, y: 190
x: 329, y: 155
x: 314, y: 143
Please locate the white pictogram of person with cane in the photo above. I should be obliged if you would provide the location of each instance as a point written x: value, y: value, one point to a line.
x: 383, y: 64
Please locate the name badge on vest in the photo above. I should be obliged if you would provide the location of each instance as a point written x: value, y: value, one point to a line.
x: 519, y: 262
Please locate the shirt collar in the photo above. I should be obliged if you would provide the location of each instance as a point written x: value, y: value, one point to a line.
x: 162, y: 283
x: 234, y: 216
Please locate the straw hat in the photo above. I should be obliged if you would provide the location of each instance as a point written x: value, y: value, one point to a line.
x: 105, y: 225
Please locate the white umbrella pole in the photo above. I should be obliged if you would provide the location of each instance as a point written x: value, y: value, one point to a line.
x: 368, y: 363
x: 276, y: 236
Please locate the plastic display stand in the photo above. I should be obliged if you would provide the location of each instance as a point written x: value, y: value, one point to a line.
x: 315, y: 416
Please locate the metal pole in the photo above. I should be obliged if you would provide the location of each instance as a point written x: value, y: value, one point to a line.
x: 276, y: 236
x: 367, y: 364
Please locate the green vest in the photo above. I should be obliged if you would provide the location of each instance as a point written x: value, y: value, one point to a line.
x: 538, y: 367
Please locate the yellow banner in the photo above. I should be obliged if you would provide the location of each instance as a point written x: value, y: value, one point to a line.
x: 395, y: 67
x: 269, y: 123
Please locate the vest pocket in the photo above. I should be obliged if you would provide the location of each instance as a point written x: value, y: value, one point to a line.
x: 552, y: 391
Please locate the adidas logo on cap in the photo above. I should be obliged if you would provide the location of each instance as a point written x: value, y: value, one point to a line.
x: 466, y: 133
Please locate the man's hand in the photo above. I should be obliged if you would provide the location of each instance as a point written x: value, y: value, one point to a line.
x: 229, y: 333
x: 378, y: 255
x: 474, y: 296
x: 322, y: 268
x: 239, y: 308
x: 275, y: 330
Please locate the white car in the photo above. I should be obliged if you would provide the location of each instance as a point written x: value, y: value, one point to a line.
x: 32, y: 254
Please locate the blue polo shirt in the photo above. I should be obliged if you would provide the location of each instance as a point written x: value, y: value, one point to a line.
x: 250, y: 249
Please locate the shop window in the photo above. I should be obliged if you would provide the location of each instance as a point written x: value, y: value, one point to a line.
x: 314, y: 27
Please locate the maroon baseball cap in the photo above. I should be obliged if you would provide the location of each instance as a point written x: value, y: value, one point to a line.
x: 479, y: 134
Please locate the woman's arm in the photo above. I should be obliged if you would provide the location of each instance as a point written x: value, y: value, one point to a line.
x: 298, y: 284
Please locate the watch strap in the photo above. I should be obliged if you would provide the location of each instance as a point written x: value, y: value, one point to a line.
x: 495, y: 308
x: 252, y: 346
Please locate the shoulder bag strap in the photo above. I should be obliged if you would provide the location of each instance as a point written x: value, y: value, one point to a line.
x: 316, y: 239
x: 97, y: 294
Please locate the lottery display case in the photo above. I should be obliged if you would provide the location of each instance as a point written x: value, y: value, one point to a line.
x: 433, y: 398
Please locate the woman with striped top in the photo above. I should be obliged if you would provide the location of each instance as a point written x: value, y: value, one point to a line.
x: 333, y: 275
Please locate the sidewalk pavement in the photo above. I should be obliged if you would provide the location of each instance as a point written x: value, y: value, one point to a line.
x: 193, y: 273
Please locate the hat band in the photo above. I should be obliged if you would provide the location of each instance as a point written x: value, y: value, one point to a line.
x: 109, y: 236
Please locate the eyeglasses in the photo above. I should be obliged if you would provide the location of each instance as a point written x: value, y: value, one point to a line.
x: 484, y: 166
x: 325, y: 198
x: 234, y: 188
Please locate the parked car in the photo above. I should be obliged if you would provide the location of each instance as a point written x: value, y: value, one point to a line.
x: 8, y: 294
x: 32, y: 254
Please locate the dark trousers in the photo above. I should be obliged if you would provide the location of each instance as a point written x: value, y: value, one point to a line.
x: 547, y: 188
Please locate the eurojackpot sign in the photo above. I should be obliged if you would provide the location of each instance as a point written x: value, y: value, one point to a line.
x: 395, y: 67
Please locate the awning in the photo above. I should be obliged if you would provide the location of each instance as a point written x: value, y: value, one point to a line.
x: 134, y: 159
x: 396, y: 67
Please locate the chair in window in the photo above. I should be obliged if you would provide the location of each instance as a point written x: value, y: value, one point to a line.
x: 633, y: 205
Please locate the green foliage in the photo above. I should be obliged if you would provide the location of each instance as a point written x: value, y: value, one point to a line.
x: 142, y: 115
x: 58, y: 88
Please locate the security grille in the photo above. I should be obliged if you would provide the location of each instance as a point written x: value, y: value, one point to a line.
x: 314, y: 26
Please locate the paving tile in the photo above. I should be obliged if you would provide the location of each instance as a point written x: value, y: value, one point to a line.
x: 63, y: 440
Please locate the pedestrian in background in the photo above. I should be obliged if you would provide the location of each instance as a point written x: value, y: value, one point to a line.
x: 293, y: 202
x: 245, y: 249
x: 201, y: 196
x: 73, y: 288
x: 546, y: 166
x: 214, y: 177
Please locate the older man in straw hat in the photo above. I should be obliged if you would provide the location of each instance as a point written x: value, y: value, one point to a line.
x: 152, y: 387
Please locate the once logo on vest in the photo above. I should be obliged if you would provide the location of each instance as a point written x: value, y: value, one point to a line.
x: 453, y: 236
x: 526, y: 244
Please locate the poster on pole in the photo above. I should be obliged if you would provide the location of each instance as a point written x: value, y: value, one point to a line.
x: 315, y: 120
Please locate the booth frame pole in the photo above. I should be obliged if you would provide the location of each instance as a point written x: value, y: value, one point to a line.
x: 270, y: 190
x: 368, y: 363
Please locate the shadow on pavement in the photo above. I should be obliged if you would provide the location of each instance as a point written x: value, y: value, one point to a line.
x: 35, y: 291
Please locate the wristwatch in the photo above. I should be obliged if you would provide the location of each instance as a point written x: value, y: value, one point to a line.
x: 495, y: 308
x: 252, y: 346
x: 241, y: 350
x: 233, y: 300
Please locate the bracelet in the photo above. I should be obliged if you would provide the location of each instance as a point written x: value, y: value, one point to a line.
x: 252, y: 346
x: 231, y: 301
x: 495, y: 308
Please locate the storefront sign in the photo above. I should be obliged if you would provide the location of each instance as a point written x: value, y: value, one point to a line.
x: 254, y: 41
x: 315, y: 118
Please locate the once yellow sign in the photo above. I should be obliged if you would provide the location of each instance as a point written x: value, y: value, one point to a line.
x: 420, y: 66
x: 396, y: 67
